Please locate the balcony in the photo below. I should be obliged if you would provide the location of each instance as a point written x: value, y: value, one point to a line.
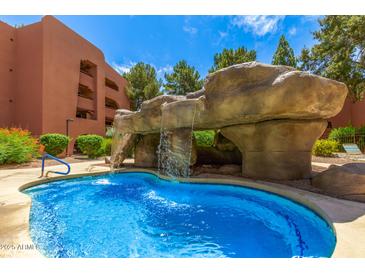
x: 86, y: 67
x: 85, y: 103
x: 86, y: 80
x: 85, y: 114
x: 111, y: 84
x: 85, y: 92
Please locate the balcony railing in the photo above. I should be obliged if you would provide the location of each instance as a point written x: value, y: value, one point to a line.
x: 85, y: 103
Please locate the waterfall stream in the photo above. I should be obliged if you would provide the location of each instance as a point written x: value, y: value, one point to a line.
x: 174, y: 150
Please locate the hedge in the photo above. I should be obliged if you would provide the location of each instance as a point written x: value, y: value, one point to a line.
x: 106, y: 147
x: 54, y: 143
x: 90, y: 145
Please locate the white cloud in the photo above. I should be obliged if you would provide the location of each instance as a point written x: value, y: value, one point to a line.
x: 167, y: 68
x: 190, y: 30
x: 123, y: 68
x: 222, y: 34
x: 258, y: 24
x: 162, y: 70
x: 292, y: 31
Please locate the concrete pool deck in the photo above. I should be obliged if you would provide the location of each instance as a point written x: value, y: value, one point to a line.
x: 347, y: 217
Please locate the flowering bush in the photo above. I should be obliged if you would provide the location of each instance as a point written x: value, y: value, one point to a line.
x: 17, y: 146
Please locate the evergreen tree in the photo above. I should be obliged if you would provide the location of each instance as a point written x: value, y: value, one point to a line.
x: 142, y: 84
x: 284, y: 54
x: 340, y: 52
x: 229, y: 57
x: 183, y: 79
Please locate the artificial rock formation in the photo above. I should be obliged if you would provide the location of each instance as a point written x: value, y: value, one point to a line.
x: 178, y: 152
x: 273, y: 114
x: 277, y: 149
x: 347, y: 181
x: 145, y: 151
x: 121, y: 147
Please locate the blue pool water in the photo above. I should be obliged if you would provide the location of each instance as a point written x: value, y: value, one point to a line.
x: 140, y: 215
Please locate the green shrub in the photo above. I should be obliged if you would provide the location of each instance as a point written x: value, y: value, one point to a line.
x: 91, y: 145
x: 326, y: 148
x: 341, y: 132
x: 106, y: 147
x: 17, y: 146
x: 204, y: 138
x: 54, y: 143
x: 348, y: 134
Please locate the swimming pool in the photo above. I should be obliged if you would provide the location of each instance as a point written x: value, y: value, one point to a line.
x: 140, y: 215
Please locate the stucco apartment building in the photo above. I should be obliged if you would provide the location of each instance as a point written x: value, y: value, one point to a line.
x: 352, y: 113
x: 52, y: 79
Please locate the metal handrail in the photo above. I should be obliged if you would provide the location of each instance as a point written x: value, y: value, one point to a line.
x: 45, y: 156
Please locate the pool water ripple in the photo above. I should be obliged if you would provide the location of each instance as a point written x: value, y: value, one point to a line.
x: 140, y: 215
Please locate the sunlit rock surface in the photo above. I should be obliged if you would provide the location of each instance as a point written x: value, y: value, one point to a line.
x: 347, y: 181
x: 273, y: 114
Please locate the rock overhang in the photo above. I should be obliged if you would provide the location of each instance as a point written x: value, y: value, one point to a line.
x: 241, y: 94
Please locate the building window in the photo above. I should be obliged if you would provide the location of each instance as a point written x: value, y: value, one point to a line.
x: 84, y: 114
x: 111, y: 84
x: 86, y: 67
x: 110, y: 103
x: 85, y: 92
x: 108, y: 122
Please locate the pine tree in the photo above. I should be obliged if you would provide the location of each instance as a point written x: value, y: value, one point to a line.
x: 142, y: 84
x: 229, y: 57
x: 284, y: 54
x: 183, y: 79
x: 340, y: 52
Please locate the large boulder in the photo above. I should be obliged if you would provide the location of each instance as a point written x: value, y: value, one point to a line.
x: 241, y: 94
x: 121, y: 147
x: 347, y: 181
x: 147, y: 119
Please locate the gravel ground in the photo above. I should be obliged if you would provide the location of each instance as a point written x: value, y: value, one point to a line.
x: 341, y: 158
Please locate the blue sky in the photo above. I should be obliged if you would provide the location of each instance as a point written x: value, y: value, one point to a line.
x: 164, y: 40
